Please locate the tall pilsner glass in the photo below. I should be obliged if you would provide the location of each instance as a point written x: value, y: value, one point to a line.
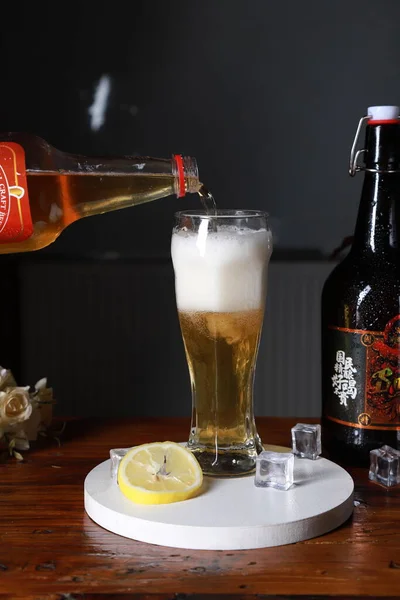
x: 221, y: 262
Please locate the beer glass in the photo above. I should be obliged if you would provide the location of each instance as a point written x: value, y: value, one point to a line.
x: 220, y: 261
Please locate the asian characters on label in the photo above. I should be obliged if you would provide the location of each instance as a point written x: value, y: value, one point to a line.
x: 343, y: 381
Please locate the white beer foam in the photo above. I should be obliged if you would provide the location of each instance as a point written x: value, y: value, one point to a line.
x: 223, y: 271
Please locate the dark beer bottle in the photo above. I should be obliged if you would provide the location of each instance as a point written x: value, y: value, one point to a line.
x: 361, y: 307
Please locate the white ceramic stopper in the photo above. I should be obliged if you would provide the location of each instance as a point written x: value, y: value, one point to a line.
x: 383, y: 113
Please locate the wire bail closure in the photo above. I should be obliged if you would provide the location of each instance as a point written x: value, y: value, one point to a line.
x: 354, y: 167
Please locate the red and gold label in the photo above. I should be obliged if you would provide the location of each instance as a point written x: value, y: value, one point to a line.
x: 15, y: 214
x: 365, y: 379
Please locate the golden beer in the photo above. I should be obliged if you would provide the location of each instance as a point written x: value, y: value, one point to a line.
x: 220, y: 268
x: 221, y: 350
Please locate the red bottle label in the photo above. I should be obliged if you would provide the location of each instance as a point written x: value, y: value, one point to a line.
x: 365, y: 380
x: 15, y: 214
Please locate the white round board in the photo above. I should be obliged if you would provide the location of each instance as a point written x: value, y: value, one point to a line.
x: 229, y: 514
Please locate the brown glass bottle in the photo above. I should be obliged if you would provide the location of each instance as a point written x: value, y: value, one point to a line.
x: 361, y: 314
x: 43, y: 190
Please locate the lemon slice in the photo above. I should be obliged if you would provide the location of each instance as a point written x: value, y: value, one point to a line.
x: 159, y: 473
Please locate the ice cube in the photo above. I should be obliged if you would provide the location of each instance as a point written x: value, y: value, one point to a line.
x: 274, y: 469
x: 116, y: 455
x: 385, y: 466
x: 306, y: 440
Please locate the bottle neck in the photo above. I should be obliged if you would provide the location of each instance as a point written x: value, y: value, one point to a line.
x: 378, y: 223
x: 181, y: 169
x: 43, y: 159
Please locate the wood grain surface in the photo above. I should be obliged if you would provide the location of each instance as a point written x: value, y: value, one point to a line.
x: 49, y: 548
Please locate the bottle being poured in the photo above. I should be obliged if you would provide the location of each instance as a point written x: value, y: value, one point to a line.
x: 43, y: 190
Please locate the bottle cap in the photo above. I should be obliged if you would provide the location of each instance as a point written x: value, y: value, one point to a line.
x: 383, y: 114
x: 181, y: 175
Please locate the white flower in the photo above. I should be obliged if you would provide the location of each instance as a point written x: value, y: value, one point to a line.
x: 41, y: 384
x: 15, y: 406
x: 21, y: 440
x: 6, y: 379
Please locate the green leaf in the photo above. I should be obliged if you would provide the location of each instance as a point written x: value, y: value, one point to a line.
x: 17, y: 455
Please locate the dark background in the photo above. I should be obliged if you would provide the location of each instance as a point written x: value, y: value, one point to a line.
x: 267, y: 96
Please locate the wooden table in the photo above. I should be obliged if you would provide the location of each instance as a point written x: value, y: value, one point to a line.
x: 49, y: 548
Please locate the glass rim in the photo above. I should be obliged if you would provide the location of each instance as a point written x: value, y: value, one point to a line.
x: 223, y: 213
